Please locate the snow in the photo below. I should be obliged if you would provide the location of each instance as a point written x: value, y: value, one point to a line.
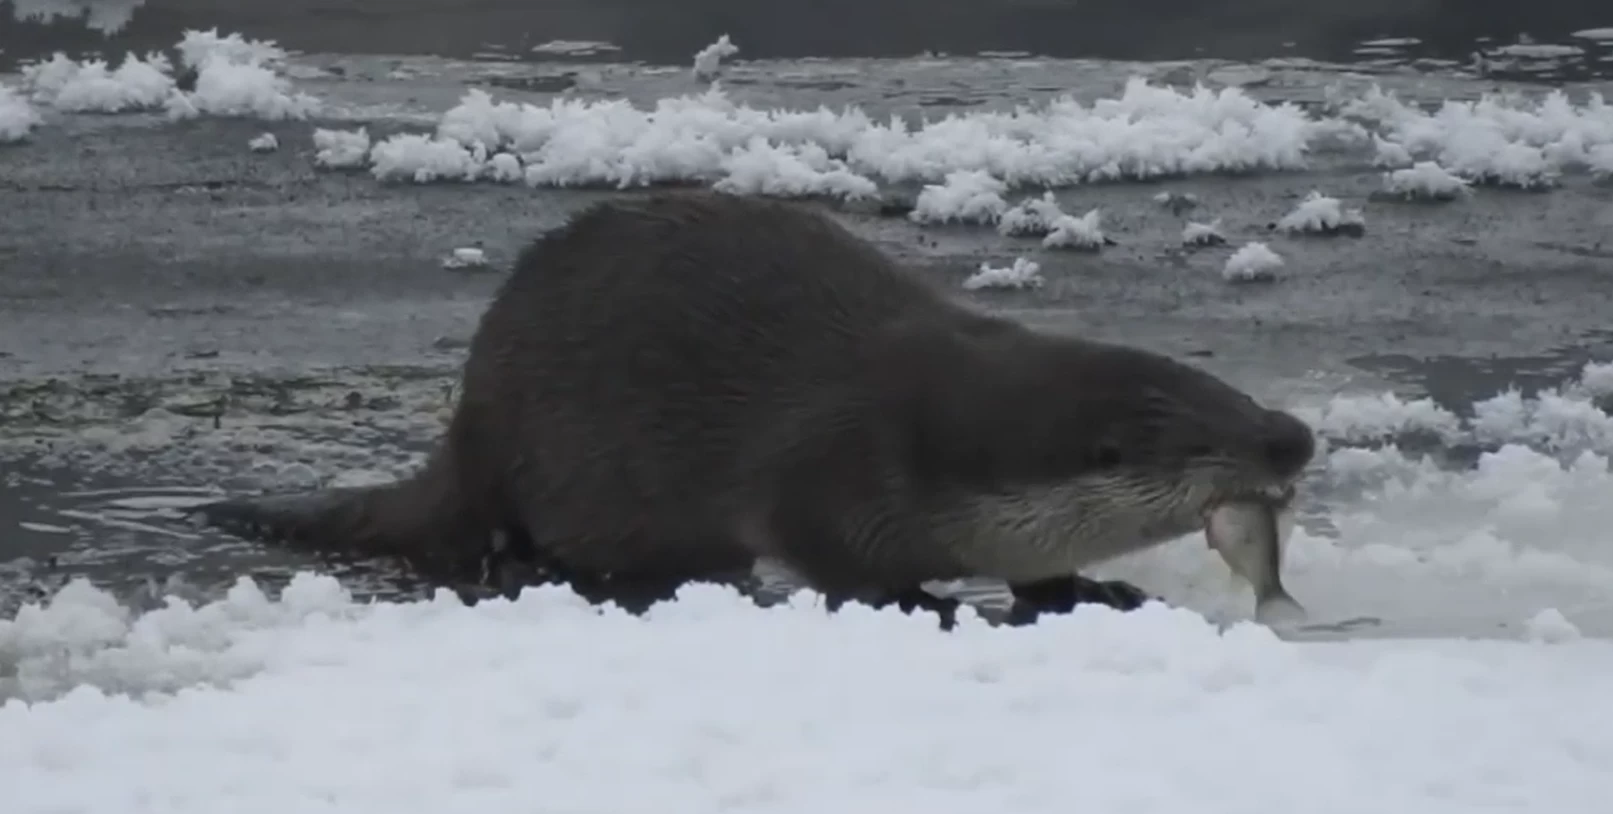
x: 468, y: 257
x: 1024, y: 273
x: 313, y: 702
x: 1425, y: 180
x: 341, y: 149
x: 965, y: 196
x: 1070, y: 232
x: 234, y: 77
x: 265, y: 143
x: 1031, y: 217
x: 708, y: 61
x: 1252, y: 262
x: 259, y: 703
x: 1500, y: 139
x: 1203, y: 234
x: 17, y: 117
x: 1320, y: 214
x: 790, y: 171
x: 1149, y: 131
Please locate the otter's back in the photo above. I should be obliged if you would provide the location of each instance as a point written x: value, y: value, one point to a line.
x: 634, y: 351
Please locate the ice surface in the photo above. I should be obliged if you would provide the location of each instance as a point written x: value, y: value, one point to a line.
x: 312, y: 702
x: 106, y: 16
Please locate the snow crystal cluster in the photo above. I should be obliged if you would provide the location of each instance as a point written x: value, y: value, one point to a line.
x: 1425, y: 181
x: 233, y: 77
x: 1148, y: 131
x: 341, y: 149
x: 1499, y: 139
x: 1024, y: 273
x: 1319, y: 214
x: 708, y: 61
x: 1070, y: 232
x: 1032, y: 217
x: 966, y: 196
x: 1203, y: 234
x: 17, y: 117
x: 265, y: 143
x: 1252, y: 262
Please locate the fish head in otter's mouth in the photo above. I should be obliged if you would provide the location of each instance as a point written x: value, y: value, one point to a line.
x: 1178, y: 443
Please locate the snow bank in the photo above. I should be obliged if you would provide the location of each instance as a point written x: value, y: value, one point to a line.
x: 17, y: 117
x: 1203, y: 234
x: 314, y: 702
x: 233, y: 77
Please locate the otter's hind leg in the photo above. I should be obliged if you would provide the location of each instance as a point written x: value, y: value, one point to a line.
x: 1062, y: 594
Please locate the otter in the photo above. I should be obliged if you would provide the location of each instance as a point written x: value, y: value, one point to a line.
x: 668, y: 388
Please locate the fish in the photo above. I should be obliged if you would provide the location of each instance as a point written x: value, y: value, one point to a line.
x: 1250, y: 536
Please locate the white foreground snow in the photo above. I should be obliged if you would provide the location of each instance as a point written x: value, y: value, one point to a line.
x: 316, y: 703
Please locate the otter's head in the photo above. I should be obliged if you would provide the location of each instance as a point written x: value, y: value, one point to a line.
x: 1111, y: 444
x: 1170, y: 441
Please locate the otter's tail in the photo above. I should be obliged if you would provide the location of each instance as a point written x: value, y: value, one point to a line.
x: 421, y: 520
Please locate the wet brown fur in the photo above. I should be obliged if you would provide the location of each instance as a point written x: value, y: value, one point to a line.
x: 669, y: 387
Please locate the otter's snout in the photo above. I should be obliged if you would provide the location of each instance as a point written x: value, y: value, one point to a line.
x: 1289, y: 444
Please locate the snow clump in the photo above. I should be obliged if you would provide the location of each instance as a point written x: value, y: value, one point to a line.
x: 965, y: 196
x: 1319, y: 214
x: 17, y: 117
x: 1427, y: 181
x: 1253, y: 262
x: 1024, y: 273
x: 1032, y: 217
x: 1070, y: 232
x: 708, y: 62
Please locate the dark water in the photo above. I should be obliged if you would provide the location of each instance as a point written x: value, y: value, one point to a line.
x: 671, y: 32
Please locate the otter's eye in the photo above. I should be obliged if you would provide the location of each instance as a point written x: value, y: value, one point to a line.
x: 1106, y: 455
